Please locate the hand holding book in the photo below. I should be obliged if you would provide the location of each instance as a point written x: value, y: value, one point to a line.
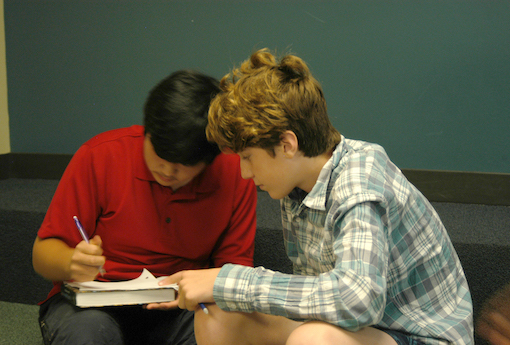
x: 83, y: 291
x: 195, y: 286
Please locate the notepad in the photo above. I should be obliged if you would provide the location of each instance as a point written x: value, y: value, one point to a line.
x: 141, y: 290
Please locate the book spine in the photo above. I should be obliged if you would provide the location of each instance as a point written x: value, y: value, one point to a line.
x: 68, y: 293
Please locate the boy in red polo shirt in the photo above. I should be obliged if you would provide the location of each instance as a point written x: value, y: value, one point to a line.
x: 158, y: 196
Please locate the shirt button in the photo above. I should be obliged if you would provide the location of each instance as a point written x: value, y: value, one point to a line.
x: 168, y: 220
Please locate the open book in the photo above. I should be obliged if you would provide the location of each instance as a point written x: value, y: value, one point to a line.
x: 141, y: 290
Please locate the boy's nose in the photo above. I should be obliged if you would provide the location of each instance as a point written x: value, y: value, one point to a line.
x: 245, y: 172
x: 169, y: 168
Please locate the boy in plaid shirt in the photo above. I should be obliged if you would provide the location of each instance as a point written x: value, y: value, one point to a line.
x: 373, y: 263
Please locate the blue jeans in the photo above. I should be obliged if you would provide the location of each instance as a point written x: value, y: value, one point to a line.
x: 63, y: 323
x: 402, y: 338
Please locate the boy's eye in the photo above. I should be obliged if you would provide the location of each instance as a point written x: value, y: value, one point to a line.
x: 245, y: 157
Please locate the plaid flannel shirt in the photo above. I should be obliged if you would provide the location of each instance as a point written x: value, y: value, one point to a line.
x: 368, y: 250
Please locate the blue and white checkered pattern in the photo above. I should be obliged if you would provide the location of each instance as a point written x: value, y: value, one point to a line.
x: 368, y: 249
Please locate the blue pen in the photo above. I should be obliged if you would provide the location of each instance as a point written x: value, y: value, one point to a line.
x: 204, y: 308
x: 86, y: 239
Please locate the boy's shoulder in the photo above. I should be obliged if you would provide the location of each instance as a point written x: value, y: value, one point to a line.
x: 364, y: 172
x: 135, y: 131
x: 359, y: 166
x: 362, y: 147
x: 358, y: 155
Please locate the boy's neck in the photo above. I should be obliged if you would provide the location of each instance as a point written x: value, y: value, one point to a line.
x: 312, y: 167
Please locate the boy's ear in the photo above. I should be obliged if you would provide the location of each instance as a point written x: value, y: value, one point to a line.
x: 289, y: 143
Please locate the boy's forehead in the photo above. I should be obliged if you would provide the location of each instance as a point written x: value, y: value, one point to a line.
x: 248, y: 149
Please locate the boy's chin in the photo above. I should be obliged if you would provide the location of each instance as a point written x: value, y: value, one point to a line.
x: 277, y: 195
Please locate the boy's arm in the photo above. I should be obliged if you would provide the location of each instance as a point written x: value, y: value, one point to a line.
x: 337, y: 296
x: 347, y: 295
x: 238, y: 242
x: 53, y: 259
x: 58, y: 252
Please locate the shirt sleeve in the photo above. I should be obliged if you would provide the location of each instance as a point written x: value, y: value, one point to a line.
x: 76, y: 195
x: 351, y: 295
x: 238, y: 241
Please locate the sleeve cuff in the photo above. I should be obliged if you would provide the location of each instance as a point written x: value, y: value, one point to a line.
x: 232, y: 288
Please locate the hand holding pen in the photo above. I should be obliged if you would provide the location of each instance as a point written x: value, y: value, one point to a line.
x: 85, y: 237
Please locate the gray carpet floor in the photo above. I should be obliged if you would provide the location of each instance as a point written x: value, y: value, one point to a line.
x: 18, y: 324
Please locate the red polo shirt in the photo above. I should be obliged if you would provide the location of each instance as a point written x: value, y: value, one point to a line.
x: 206, y: 223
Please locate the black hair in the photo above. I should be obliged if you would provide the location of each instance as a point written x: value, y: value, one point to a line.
x: 175, y: 117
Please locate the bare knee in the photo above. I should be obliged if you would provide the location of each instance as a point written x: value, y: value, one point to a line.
x: 212, y: 328
x: 221, y: 327
x: 314, y: 332
x: 318, y: 332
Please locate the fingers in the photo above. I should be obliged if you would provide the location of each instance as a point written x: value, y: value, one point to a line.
x: 180, y: 301
x: 177, y: 278
x: 86, y: 260
x: 91, y: 248
x: 196, y: 287
x: 162, y: 306
x: 501, y: 324
x: 495, y: 328
x: 83, y: 273
x: 96, y: 240
x: 494, y: 321
x: 88, y: 254
x: 184, y: 280
x: 173, y: 279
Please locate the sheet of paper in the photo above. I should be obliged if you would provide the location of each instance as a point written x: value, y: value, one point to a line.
x: 144, y: 281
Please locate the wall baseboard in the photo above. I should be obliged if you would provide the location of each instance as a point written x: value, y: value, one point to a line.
x: 436, y: 185
x: 33, y: 165
x: 462, y: 187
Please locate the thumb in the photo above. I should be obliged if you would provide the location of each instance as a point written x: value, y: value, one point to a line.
x: 96, y: 240
x: 173, y: 279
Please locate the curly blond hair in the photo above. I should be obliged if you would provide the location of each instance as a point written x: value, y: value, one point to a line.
x: 262, y: 99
